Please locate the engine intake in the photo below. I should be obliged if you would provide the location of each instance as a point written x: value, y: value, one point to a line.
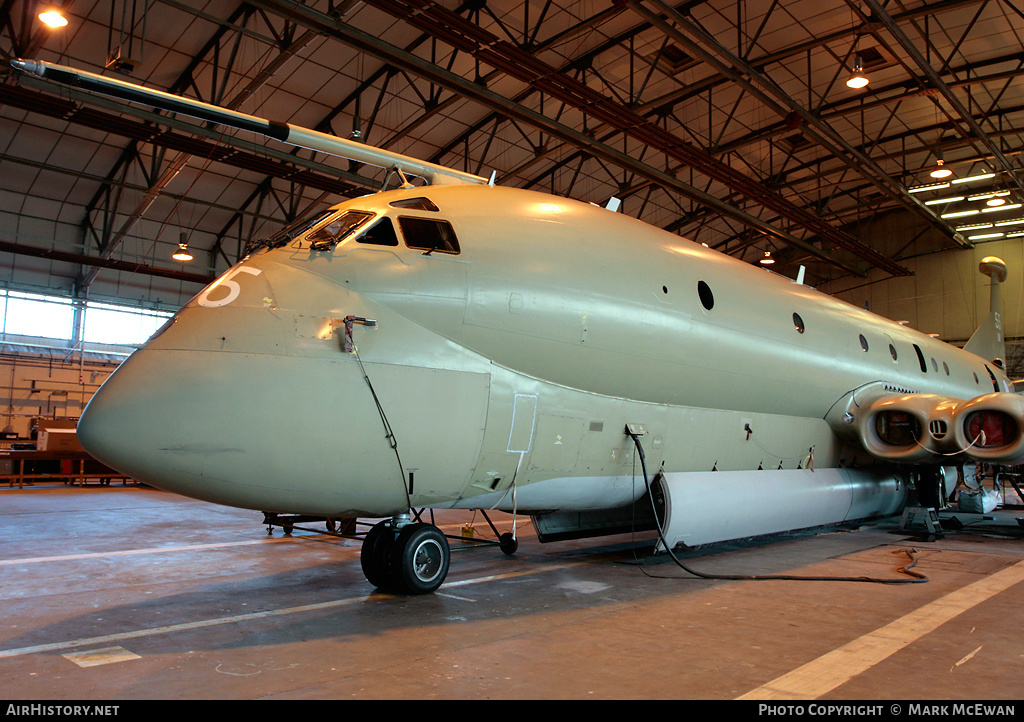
x: 909, y: 428
x: 989, y: 428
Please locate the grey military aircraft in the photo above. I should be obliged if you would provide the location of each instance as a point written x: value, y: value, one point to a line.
x: 464, y: 345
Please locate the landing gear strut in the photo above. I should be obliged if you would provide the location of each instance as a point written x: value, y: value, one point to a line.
x: 408, y: 558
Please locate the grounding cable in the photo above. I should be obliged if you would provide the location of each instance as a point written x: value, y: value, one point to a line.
x: 389, y: 433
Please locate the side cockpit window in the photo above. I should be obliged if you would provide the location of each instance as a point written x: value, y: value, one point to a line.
x: 337, y: 229
x: 381, y: 233
x: 430, y: 235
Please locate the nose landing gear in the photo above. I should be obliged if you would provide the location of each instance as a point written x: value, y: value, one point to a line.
x: 410, y: 558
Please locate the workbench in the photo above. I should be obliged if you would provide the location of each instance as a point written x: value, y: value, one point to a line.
x: 71, y: 467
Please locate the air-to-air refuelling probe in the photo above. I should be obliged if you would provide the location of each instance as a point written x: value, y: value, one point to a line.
x: 464, y: 345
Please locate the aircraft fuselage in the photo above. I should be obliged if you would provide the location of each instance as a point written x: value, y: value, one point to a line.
x: 518, y: 354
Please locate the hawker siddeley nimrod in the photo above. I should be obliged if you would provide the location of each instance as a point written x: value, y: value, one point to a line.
x: 461, y: 345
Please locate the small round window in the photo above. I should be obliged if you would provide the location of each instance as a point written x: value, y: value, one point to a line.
x: 945, y: 367
x: 798, y: 322
x: 863, y: 343
x: 892, y: 351
x: 707, y: 298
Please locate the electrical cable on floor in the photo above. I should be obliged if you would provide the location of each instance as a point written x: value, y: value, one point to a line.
x: 915, y: 578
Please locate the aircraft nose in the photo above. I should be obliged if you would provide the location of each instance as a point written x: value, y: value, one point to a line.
x: 118, y: 427
x: 264, y: 432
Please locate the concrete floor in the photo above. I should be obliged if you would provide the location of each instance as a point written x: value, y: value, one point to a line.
x: 126, y: 593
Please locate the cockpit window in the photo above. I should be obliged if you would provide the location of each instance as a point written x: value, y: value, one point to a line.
x: 381, y: 233
x: 337, y: 230
x: 415, y: 204
x: 290, y: 231
x: 429, y: 235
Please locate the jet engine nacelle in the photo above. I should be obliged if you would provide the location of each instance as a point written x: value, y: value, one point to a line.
x: 989, y: 428
x: 911, y: 428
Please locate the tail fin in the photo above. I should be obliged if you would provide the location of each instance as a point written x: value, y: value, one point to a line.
x: 987, y: 342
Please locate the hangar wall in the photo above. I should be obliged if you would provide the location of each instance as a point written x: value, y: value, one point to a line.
x: 46, y: 385
x: 947, y: 295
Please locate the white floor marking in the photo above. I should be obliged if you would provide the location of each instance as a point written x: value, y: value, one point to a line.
x: 843, y: 664
x: 97, y: 657
x: 251, y: 616
x: 132, y: 552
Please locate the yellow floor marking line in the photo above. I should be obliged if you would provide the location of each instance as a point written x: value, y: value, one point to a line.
x: 843, y: 664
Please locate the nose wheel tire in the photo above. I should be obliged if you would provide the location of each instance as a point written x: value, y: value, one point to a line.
x: 374, y: 555
x: 419, y: 559
x: 414, y: 560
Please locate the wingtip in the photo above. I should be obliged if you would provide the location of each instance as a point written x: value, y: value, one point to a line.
x: 27, y: 66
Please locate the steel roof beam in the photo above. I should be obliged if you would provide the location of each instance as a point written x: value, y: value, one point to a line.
x: 702, y: 44
x: 469, y: 89
x: 933, y: 77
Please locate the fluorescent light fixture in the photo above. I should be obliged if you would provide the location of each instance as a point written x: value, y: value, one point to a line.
x: 974, y: 227
x: 929, y: 187
x: 983, y: 176
x: 53, y: 18
x: 1011, y: 222
x: 940, y: 201
x: 1008, y: 207
x: 1015, y: 234
x: 983, y: 196
x: 959, y: 214
x: 984, y: 235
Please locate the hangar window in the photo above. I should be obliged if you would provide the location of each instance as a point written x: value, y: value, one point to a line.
x: 920, y: 359
x: 798, y: 322
x: 381, y: 233
x: 415, y: 204
x: 707, y: 298
x: 429, y: 235
x: 33, y: 315
x: 121, y: 325
x: 53, y: 318
x: 863, y: 343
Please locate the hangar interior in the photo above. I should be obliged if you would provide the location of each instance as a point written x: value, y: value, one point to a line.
x: 728, y: 122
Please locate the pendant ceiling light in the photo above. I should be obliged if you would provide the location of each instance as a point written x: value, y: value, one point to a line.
x: 940, y: 170
x: 858, y: 80
x: 182, y: 254
x: 53, y: 18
